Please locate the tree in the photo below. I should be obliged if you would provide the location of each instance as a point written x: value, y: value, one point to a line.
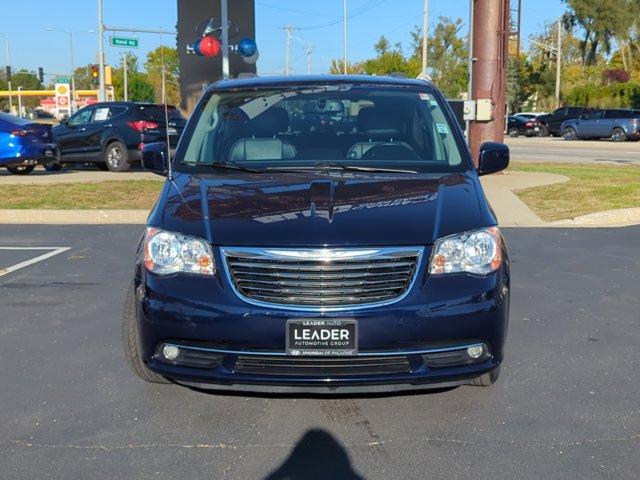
x: 521, y: 82
x: 153, y: 67
x: 447, y: 56
x: 139, y: 87
x: 601, y: 23
x: 352, y: 67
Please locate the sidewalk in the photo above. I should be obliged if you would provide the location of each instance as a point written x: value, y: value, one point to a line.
x: 510, y: 210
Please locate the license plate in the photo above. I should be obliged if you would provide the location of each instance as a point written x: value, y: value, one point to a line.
x: 172, y: 131
x: 537, y: 128
x: 334, y: 338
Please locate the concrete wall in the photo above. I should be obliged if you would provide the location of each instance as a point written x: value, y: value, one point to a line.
x: 196, y: 72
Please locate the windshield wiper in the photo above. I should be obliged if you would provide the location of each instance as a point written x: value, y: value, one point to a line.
x: 355, y: 168
x: 234, y: 166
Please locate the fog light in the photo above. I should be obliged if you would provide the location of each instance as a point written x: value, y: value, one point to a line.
x: 474, y: 352
x: 170, y: 352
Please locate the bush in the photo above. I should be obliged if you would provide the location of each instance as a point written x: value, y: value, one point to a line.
x: 617, y: 95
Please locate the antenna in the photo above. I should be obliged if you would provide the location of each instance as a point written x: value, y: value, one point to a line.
x: 166, y: 110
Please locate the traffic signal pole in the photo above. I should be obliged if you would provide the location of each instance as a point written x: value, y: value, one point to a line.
x: 489, y: 72
x: 102, y: 95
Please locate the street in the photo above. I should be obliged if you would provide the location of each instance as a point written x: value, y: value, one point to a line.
x: 550, y: 149
x: 565, y: 406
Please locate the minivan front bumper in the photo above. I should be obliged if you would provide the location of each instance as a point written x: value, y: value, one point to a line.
x: 440, y: 313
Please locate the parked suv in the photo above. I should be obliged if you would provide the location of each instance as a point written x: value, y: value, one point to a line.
x: 359, y: 255
x: 552, y: 121
x: 618, y: 125
x: 112, y: 134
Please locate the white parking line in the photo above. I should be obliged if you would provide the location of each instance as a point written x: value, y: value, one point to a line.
x: 53, y: 251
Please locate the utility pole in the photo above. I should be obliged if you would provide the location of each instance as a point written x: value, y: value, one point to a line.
x: 225, y: 38
x: 558, y: 62
x: 469, y: 67
x: 125, y: 72
x: 102, y: 95
x: 425, y: 36
x: 490, y: 30
x: 19, y: 101
x: 8, y: 51
x: 308, y: 51
x: 287, y: 52
x: 345, y: 58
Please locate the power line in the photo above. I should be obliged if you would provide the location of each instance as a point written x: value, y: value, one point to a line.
x: 365, y: 7
x: 294, y: 10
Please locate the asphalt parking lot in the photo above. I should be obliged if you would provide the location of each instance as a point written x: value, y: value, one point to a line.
x: 565, y: 407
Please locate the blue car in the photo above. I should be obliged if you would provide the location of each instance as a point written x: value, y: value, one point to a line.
x: 25, y: 144
x: 323, y: 234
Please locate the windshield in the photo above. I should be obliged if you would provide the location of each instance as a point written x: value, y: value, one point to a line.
x: 327, y: 126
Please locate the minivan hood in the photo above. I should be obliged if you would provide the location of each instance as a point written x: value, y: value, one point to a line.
x: 322, y: 209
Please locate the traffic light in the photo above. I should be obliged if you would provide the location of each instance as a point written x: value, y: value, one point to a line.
x: 41, y: 75
x: 95, y: 75
x: 8, y: 71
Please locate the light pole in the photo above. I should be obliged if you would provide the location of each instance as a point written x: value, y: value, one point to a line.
x: 102, y: 94
x: 425, y: 36
x: 73, y: 67
x: 345, y: 62
x: 8, y: 51
x: 19, y: 101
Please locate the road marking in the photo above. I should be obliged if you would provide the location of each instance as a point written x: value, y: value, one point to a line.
x: 53, y: 251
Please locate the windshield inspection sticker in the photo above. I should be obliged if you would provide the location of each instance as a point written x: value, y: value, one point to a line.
x: 442, y: 128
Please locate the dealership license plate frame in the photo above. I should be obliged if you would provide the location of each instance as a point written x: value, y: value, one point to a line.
x: 296, y: 350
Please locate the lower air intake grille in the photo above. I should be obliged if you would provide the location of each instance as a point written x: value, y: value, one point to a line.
x: 334, y: 366
x: 322, y: 278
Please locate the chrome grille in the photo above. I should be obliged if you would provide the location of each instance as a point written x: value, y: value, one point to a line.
x: 322, y: 278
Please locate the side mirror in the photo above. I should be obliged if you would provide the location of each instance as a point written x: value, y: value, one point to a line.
x: 64, y: 121
x: 154, y: 158
x: 493, y: 158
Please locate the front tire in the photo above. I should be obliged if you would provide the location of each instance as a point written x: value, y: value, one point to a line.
x: 116, y: 157
x: 570, y: 134
x: 53, y: 166
x: 513, y: 132
x: 22, y: 170
x: 487, y: 379
x: 131, y: 340
x: 618, y: 135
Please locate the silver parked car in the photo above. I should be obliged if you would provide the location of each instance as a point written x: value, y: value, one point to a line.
x: 618, y: 125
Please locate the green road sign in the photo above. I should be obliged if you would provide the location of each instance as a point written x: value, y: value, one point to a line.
x: 62, y: 79
x: 124, y: 42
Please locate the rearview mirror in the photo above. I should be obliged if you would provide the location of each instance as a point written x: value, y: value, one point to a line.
x: 493, y: 158
x: 154, y: 158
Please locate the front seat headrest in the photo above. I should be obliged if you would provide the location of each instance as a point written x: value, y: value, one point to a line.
x: 272, y: 121
x: 256, y: 149
x: 376, y: 121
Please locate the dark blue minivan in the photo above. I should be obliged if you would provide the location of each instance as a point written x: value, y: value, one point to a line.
x: 320, y: 233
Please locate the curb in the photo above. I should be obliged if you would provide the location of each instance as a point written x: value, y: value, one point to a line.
x: 623, y: 217
x: 73, y: 217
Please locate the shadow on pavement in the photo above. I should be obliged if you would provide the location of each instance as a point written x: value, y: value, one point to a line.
x: 319, y: 395
x: 316, y: 456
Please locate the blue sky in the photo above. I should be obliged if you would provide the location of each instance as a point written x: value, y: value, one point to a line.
x: 32, y: 46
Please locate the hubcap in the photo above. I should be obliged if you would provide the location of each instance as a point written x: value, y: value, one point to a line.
x: 114, y: 157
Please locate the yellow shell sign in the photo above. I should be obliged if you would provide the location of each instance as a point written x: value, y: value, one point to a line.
x: 62, y: 90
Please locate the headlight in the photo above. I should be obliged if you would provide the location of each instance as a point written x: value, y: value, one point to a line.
x: 477, y: 252
x: 167, y: 252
